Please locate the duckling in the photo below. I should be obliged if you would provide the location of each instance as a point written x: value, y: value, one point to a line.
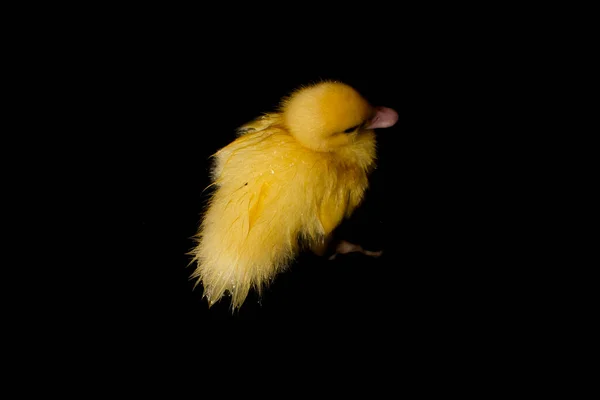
x: 283, y: 185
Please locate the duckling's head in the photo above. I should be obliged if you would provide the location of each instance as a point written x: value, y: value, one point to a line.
x: 330, y: 115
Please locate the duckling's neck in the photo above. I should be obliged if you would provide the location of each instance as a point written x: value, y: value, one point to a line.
x: 362, y: 151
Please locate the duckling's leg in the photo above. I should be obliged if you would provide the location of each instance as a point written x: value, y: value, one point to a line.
x: 344, y: 247
x: 320, y: 248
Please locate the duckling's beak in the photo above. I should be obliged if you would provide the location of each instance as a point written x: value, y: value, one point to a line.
x: 384, y: 118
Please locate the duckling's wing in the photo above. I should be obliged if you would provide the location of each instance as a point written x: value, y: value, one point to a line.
x: 261, y: 123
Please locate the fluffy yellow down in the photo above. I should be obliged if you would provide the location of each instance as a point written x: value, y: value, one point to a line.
x: 287, y: 181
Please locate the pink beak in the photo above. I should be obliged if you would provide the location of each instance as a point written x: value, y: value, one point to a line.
x: 384, y: 118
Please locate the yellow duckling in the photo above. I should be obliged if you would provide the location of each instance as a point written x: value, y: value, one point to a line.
x: 285, y: 183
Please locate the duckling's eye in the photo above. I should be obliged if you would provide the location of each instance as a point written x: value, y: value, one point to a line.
x: 351, y: 129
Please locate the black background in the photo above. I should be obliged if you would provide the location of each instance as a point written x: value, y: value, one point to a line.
x: 119, y: 110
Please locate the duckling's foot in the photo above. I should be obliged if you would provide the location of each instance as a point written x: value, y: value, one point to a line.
x: 345, y: 247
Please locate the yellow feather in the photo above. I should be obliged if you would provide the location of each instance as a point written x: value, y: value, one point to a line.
x: 290, y: 174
